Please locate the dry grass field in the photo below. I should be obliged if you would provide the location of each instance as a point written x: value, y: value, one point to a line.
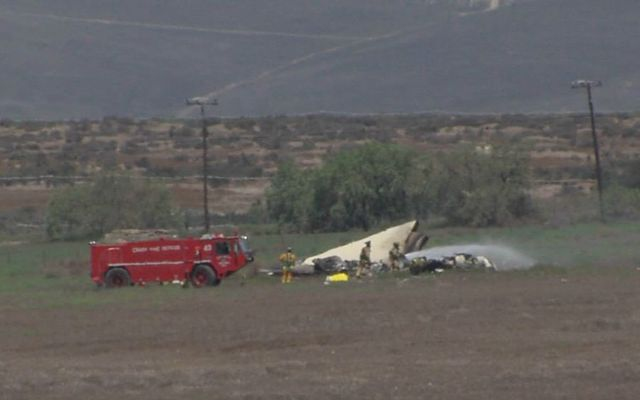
x: 524, y: 335
x: 567, y: 328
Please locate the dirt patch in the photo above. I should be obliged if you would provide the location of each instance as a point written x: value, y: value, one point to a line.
x: 230, y: 197
x: 453, y: 336
x: 64, y: 268
x: 21, y: 196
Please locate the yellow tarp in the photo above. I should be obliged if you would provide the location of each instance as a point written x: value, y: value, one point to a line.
x: 339, y: 277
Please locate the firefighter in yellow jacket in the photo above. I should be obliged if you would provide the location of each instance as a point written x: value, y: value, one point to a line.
x: 395, y: 257
x: 287, y: 260
x: 365, y: 259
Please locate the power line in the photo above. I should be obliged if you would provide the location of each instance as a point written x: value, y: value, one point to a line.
x: 80, y: 178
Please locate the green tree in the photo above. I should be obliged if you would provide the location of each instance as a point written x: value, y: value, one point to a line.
x: 288, y: 196
x: 378, y: 183
x: 108, y: 203
x: 481, y: 189
x: 354, y: 188
x: 362, y: 187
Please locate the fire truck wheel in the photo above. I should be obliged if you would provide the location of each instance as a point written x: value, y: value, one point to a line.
x: 117, y: 277
x: 203, y: 275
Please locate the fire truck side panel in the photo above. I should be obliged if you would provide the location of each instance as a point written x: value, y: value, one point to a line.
x: 166, y: 260
x: 161, y: 260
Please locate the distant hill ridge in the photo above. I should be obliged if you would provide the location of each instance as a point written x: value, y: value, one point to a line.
x: 77, y: 59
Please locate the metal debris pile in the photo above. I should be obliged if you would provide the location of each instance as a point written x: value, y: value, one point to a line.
x: 496, y: 257
x: 407, y: 235
x: 334, y: 264
x: 344, y: 259
x: 461, y: 260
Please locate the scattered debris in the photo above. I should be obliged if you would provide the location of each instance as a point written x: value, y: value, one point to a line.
x: 460, y: 260
x: 333, y: 264
x: 422, y: 264
x: 496, y: 257
x: 298, y: 270
x: 469, y: 261
x: 379, y: 267
x: 345, y: 258
x: 406, y: 234
x: 342, y: 260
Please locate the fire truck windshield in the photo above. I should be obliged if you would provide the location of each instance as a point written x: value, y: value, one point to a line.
x: 245, y: 248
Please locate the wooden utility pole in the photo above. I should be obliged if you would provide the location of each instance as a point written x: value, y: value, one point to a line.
x: 205, y: 201
x: 596, y: 148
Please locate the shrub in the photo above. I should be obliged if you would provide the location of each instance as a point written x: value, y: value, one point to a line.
x: 108, y: 203
x: 378, y: 183
x: 478, y: 189
x: 622, y: 202
x: 354, y: 188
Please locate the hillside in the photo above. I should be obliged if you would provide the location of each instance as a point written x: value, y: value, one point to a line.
x: 78, y: 59
x: 244, y: 152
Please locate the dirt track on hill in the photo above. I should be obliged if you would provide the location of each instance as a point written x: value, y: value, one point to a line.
x: 454, y: 336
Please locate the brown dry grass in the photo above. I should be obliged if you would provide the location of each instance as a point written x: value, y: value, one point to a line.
x: 16, y: 197
x: 455, y: 336
x: 557, y: 143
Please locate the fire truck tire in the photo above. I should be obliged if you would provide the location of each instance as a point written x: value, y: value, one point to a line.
x: 117, y: 277
x: 203, y: 275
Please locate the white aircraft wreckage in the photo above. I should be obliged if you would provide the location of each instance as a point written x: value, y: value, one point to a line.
x: 421, y: 264
x: 406, y: 234
x: 470, y: 256
x: 345, y: 258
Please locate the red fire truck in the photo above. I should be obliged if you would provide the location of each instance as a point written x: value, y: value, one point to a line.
x: 203, y: 262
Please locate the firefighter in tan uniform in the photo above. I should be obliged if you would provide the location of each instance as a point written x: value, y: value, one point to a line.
x: 394, y: 257
x: 365, y: 259
x: 287, y: 261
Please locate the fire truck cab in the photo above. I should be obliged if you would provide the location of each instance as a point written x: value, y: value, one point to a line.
x: 202, y: 262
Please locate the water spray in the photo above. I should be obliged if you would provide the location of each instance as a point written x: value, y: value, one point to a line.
x: 503, y: 257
